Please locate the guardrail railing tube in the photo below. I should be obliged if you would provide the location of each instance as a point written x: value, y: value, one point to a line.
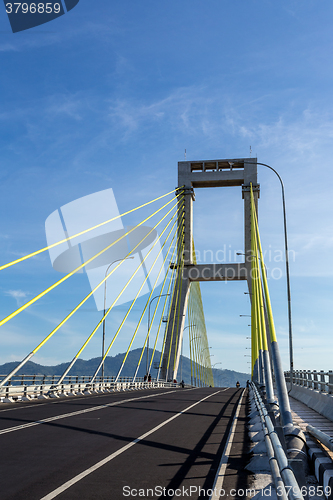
x: 286, y: 472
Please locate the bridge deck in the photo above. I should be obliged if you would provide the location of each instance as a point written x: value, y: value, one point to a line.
x: 103, y: 446
x: 303, y: 415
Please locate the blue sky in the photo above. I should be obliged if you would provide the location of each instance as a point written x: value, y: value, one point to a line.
x: 111, y: 94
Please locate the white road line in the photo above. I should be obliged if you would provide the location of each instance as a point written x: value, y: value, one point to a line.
x: 20, y: 407
x: 85, y: 473
x: 34, y: 404
x: 219, y: 478
x: 37, y: 403
x: 63, y: 400
x: 79, y: 412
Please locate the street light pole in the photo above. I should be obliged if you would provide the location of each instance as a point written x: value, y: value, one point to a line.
x: 156, y: 297
x: 205, y: 349
x: 103, y: 339
x: 181, y: 356
x: 219, y: 363
x: 194, y: 338
x: 291, y: 355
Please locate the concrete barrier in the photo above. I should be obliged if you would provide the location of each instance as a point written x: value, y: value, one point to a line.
x: 318, y: 401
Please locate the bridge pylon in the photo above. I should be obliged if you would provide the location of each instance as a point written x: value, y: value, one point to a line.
x: 205, y: 174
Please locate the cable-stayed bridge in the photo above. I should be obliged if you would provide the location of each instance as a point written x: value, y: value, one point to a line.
x: 151, y: 436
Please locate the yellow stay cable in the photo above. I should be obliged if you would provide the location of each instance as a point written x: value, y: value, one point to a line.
x: 165, y: 302
x: 124, y: 319
x: 135, y: 332
x: 96, y: 287
x: 254, y: 302
x: 197, y: 334
x: 205, y: 360
x: 179, y: 252
x: 163, y: 308
x: 114, y: 302
x: 152, y: 321
x: 264, y: 278
x: 40, y: 295
x: 199, y: 348
x: 77, y: 307
x: 261, y: 302
x: 198, y: 344
x: 197, y: 322
x: 178, y: 325
x: 33, y: 254
x: 191, y: 333
x: 178, y: 285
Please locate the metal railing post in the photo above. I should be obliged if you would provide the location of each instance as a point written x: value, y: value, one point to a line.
x: 322, y: 381
x: 315, y: 380
x: 309, y: 379
x: 40, y: 386
x: 330, y: 382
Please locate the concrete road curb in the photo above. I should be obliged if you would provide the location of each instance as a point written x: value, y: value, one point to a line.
x: 323, y: 466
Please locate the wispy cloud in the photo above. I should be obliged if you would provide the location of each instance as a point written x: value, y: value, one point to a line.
x: 183, y: 106
x: 305, y: 134
x: 210, y: 115
x: 8, y: 47
x: 17, y: 294
x: 66, y: 105
x: 41, y: 37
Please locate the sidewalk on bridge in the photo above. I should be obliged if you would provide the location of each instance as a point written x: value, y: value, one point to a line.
x: 323, y: 465
x: 304, y: 415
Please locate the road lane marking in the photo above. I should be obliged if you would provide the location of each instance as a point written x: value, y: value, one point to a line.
x: 219, y: 478
x: 79, y: 412
x: 85, y: 473
x: 37, y: 403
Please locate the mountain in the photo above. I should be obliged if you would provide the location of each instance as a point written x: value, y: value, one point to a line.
x: 222, y: 378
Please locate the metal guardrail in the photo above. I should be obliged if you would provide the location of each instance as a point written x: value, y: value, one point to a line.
x: 277, y: 458
x: 318, y: 380
x: 51, y: 379
x: 321, y: 436
x: 25, y: 387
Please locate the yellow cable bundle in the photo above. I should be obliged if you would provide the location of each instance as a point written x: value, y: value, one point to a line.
x: 37, y: 252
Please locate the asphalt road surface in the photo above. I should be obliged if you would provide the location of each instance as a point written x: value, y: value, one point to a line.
x: 159, y: 443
